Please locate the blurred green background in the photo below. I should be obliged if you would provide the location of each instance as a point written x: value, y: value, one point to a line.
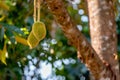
x: 53, y: 58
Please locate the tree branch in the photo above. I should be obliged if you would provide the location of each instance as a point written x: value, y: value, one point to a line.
x: 103, y: 33
x: 76, y: 38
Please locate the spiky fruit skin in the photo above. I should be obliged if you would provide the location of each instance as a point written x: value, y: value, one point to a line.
x: 37, y: 34
x: 39, y: 30
x: 32, y: 41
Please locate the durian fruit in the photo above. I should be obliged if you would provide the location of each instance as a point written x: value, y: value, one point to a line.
x: 32, y: 41
x: 39, y: 30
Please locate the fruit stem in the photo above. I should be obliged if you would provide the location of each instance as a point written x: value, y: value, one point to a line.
x: 38, y: 19
x: 34, y: 15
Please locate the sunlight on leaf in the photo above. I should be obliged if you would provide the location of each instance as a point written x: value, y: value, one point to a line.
x: 3, y: 54
x: 2, y: 17
x: 21, y: 40
x: 3, y: 5
x: 25, y: 30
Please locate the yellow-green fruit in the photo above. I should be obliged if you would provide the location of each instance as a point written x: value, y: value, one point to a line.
x: 32, y: 41
x: 39, y: 30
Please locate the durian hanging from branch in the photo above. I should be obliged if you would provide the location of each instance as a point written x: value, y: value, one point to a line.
x: 38, y: 31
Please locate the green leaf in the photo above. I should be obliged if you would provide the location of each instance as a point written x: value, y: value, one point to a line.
x: 10, y: 36
x: 3, y: 54
x: 1, y: 33
x: 1, y: 44
x: 11, y: 28
x: 21, y: 40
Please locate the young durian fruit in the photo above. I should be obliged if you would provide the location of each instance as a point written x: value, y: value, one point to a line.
x: 39, y: 30
x: 32, y: 41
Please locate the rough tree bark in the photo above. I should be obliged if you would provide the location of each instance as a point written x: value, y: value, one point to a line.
x: 103, y: 34
x: 85, y: 52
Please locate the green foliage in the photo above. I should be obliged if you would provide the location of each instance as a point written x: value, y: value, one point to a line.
x: 1, y: 33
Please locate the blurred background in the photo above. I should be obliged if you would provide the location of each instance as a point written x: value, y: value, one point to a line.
x: 53, y: 58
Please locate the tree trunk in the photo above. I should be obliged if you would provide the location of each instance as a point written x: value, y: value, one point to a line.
x: 103, y: 33
x: 76, y: 38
